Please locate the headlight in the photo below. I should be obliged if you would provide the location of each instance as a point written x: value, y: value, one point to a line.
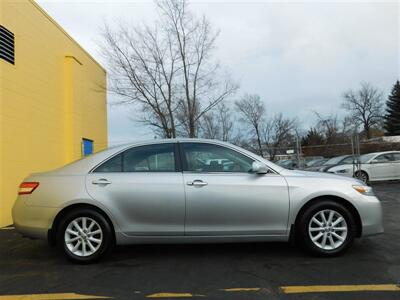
x: 364, y: 189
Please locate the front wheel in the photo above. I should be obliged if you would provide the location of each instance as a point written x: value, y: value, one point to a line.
x: 362, y: 176
x: 84, y: 236
x: 326, y: 228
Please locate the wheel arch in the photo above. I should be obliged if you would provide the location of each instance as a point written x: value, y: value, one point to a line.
x: 52, y: 233
x: 344, y: 202
x: 364, y: 171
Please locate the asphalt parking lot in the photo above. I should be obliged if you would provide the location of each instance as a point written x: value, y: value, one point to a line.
x: 369, y: 270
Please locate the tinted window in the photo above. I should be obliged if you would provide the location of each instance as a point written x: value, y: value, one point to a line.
x: 112, y: 165
x: 366, y: 157
x: 151, y: 158
x: 348, y: 160
x: 384, y: 158
x: 396, y: 157
x: 213, y: 158
x: 334, y: 160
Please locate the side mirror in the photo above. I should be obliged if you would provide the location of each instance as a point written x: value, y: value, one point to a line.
x: 259, y: 168
x: 374, y: 161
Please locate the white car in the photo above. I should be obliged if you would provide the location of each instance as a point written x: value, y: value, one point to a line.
x: 373, y: 167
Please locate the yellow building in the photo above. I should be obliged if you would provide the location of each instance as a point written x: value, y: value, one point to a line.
x: 52, y: 98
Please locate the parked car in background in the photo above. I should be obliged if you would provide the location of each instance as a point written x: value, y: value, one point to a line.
x: 191, y: 190
x: 308, y: 159
x: 372, y: 167
x: 280, y: 162
x: 336, y: 161
x: 315, y: 164
x: 290, y: 164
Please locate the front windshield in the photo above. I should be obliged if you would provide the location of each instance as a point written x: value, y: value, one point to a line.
x: 281, y: 162
x: 335, y: 160
x: 366, y: 157
x: 314, y: 162
x: 286, y: 163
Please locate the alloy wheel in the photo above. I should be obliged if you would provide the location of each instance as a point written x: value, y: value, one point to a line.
x: 328, y: 229
x: 363, y: 177
x: 83, y: 236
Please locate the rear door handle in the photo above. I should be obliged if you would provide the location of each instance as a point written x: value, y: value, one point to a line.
x: 197, y: 182
x: 101, y: 181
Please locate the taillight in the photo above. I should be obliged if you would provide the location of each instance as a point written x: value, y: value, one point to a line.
x: 27, y: 187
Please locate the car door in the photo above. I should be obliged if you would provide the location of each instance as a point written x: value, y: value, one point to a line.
x: 381, y: 167
x: 224, y: 198
x: 396, y: 165
x: 143, y: 189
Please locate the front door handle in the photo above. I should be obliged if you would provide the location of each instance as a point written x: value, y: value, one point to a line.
x: 101, y: 181
x: 197, y: 182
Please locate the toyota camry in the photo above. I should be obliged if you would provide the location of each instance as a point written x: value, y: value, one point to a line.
x: 191, y: 191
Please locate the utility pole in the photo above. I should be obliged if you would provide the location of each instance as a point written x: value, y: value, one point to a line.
x: 355, y: 148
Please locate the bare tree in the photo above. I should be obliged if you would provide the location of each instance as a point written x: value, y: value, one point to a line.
x: 217, y: 124
x: 143, y: 67
x: 278, y: 134
x: 329, y: 127
x: 365, y: 106
x: 225, y: 121
x: 167, y: 69
x: 252, y: 112
x: 203, y: 86
x: 209, y: 126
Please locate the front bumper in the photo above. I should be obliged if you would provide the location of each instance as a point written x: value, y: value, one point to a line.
x: 371, y: 216
x: 32, y: 221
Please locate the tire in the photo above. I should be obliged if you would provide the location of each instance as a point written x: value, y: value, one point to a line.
x: 307, y: 229
x: 88, y: 244
x: 363, y: 176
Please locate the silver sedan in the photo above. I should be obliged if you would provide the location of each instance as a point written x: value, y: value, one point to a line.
x: 191, y: 190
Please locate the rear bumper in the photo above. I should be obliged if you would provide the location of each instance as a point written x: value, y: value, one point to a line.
x: 32, y: 221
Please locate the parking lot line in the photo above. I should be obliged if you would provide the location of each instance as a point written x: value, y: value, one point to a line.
x: 58, y: 296
x: 241, y: 290
x: 340, y: 288
x: 173, y: 295
x: 7, y: 228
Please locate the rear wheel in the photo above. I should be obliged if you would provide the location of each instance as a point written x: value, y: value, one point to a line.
x: 326, y: 228
x: 84, y: 236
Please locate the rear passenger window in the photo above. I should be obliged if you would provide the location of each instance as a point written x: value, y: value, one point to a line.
x: 112, y: 165
x: 151, y: 158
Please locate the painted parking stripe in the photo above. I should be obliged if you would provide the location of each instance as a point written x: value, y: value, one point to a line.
x: 340, y: 288
x: 58, y: 296
x: 242, y: 290
x: 7, y: 228
x: 173, y: 295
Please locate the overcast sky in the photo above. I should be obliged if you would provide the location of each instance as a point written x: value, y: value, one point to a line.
x: 299, y: 56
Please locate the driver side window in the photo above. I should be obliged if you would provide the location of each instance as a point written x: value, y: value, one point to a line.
x: 384, y: 158
x: 207, y: 158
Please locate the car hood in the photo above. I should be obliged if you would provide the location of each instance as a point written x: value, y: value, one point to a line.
x: 319, y: 175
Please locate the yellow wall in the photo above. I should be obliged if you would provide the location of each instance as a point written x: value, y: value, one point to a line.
x: 49, y: 100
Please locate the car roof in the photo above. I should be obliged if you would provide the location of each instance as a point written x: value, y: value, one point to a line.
x: 173, y: 140
x: 383, y: 152
x: 88, y: 163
